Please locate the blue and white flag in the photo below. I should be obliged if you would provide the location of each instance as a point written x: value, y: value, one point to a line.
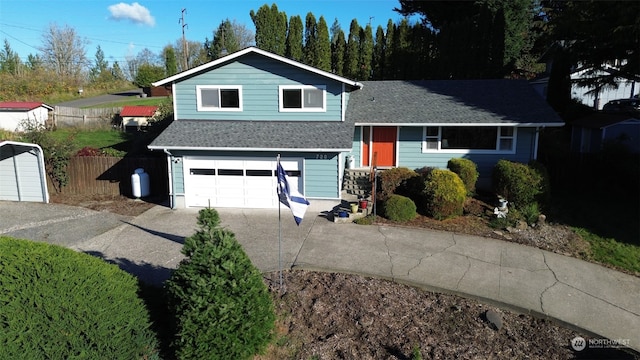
x: 291, y: 198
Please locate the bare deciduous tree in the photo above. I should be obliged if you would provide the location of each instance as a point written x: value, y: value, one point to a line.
x: 64, y: 50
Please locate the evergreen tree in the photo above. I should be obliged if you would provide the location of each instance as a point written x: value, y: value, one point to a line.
x: 402, y: 51
x: 366, y: 53
x: 335, y: 29
x: 224, y: 40
x: 271, y: 29
x: 99, y: 73
x: 310, y: 40
x: 34, y: 62
x: 323, y: 46
x: 478, y: 39
x: 117, y: 72
x: 338, y: 48
x: 294, y: 39
x: 352, y: 54
x: 390, y: 72
x: 378, y: 65
x: 170, y: 60
x: 9, y: 59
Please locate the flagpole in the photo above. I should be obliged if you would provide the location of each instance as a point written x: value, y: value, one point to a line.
x: 279, y: 234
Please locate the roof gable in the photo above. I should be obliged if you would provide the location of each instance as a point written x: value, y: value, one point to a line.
x: 138, y: 110
x: 22, y: 105
x: 253, y: 50
x: 451, y: 102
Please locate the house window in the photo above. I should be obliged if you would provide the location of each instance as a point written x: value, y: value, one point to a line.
x: 219, y: 98
x: 465, y: 139
x: 302, y: 98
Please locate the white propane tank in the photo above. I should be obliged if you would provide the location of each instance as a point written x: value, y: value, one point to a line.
x: 140, y: 183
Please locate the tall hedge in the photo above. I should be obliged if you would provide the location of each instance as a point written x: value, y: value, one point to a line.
x: 445, y: 194
x: 467, y: 170
x: 221, y: 305
x: 519, y: 183
x: 56, y: 303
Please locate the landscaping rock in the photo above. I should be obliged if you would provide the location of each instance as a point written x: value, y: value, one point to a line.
x: 494, y: 319
x: 522, y: 225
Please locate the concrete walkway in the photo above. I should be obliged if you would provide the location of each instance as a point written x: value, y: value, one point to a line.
x: 599, y: 301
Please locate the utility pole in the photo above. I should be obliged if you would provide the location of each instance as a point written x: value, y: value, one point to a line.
x: 185, y: 47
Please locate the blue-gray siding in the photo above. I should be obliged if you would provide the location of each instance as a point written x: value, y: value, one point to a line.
x: 260, y: 79
x: 410, y: 151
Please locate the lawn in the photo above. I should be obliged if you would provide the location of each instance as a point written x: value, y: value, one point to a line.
x: 99, y: 139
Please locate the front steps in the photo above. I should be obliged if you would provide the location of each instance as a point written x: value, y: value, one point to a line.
x: 356, y: 184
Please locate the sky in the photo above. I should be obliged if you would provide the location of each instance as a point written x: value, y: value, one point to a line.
x: 123, y: 29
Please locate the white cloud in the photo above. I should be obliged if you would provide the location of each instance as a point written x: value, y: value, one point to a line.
x: 135, y: 13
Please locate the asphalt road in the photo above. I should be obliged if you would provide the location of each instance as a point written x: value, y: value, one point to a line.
x: 102, y: 99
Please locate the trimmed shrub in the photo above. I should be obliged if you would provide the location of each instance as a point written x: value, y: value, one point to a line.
x: 392, y: 179
x: 221, y: 306
x: 399, y: 208
x: 56, y: 303
x: 414, y: 188
x: 445, y: 194
x: 518, y: 183
x: 467, y: 170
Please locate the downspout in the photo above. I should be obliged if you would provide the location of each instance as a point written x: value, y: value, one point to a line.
x: 171, y: 185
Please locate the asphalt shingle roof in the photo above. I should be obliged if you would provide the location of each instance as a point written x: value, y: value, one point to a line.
x: 449, y: 102
x: 378, y: 102
x: 245, y: 135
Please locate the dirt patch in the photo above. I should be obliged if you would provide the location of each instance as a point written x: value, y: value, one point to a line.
x: 116, y: 204
x: 340, y: 316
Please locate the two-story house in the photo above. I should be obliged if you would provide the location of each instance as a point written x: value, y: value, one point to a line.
x: 234, y: 115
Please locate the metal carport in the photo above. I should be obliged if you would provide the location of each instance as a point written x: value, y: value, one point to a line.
x: 22, y: 172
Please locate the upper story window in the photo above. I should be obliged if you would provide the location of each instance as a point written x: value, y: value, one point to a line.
x: 219, y: 97
x: 303, y: 98
x: 469, y: 139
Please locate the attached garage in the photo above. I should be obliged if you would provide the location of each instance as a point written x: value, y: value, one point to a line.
x: 22, y: 172
x: 236, y: 182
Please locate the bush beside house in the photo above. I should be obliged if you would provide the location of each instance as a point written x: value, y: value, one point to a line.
x: 399, y: 208
x: 445, y: 194
x: 520, y: 184
x: 467, y: 170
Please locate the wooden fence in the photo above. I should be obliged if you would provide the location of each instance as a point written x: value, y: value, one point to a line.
x: 74, y: 117
x: 101, y: 175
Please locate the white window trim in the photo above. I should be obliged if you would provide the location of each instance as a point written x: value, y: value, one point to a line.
x: 281, y: 107
x: 470, y: 151
x: 223, y: 87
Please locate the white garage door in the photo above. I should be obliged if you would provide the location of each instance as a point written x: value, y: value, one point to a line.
x: 242, y: 183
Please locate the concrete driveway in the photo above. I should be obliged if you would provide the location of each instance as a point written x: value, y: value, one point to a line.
x: 55, y: 223
x: 583, y: 295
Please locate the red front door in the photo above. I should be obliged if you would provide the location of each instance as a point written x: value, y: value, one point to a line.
x: 383, y: 147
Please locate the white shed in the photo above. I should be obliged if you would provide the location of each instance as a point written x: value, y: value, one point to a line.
x: 22, y: 172
x: 12, y: 113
